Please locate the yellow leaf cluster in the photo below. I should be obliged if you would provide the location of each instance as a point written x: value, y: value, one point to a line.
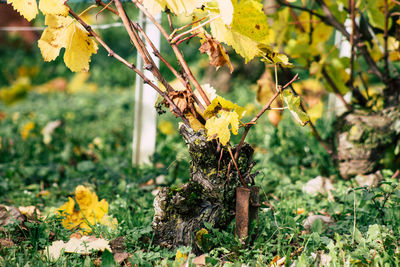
x: 221, y: 114
x: 64, y: 32
x: 29, y: 9
x: 90, y: 212
x: 219, y: 103
x: 218, y: 126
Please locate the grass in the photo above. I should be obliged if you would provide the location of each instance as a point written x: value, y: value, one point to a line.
x: 365, y: 231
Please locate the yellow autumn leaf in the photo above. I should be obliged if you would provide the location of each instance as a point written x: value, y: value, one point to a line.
x: 26, y: 130
x: 166, y: 127
x: 180, y: 257
x: 54, y: 36
x: 27, y: 8
x: 194, y: 123
x: 176, y: 6
x: 53, y: 7
x: 224, y: 8
x: 249, y: 29
x: 315, y: 112
x: 79, y: 48
x: 275, y: 58
x: 219, y: 103
x: 64, y: 32
x: 218, y: 126
x: 90, y: 212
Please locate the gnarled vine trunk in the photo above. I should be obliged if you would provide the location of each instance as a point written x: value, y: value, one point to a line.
x: 362, y: 140
x: 209, y: 196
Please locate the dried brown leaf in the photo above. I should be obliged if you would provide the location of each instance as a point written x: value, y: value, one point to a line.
x: 9, y: 215
x: 216, y: 53
x: 120, y: 257
x: 6, y: 243
x: 200, y: 260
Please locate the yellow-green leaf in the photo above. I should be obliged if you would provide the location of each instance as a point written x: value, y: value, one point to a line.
x: 293, y: 103
x: 79, y: 48
x: 67, y: 33
x: 219, y: 103
x: 53, y: 7
x: 27, y: 8
x: 248, y: 31
x: 53, y: 37
x: 218, y: 126
x: 176, y: 6
x: 276, y: 58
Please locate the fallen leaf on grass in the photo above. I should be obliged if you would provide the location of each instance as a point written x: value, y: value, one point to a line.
x: 91, y: 211
x: 48, y: 130
x: 326, y: 220
x: 200, y: 260
x: 278, y: 261
x: 31, y: 212
x: 84, y: 246
x: 322, y: 258
x: 369, y: 180
x: 9, y: 215
x: 319, y: 184
x: 120, y: 257
x: 6, y: 243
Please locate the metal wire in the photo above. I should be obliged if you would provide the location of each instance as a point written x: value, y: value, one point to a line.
x: 20, y: 29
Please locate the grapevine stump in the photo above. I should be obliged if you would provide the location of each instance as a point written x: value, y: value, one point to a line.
x: 362, y: 139
x: 208, y: 197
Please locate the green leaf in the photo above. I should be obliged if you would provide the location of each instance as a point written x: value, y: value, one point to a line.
x: 376, y: 15
x: 358, y: 237
x: 107, y: 259
x: 293, y: 103
x: 316, y: 227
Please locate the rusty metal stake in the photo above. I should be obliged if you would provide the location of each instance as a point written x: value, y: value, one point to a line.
x: 246, y: 210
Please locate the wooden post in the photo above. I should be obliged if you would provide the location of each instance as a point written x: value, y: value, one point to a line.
x: 247, y: 204
x: 145, y: 121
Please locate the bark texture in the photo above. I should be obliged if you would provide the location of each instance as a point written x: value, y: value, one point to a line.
x: 363, y: 138
x: 209, y: 196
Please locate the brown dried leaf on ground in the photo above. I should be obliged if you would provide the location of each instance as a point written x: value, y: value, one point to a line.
x: 9, y: 215
x: 6, y: 243
x: 200, y: 260
x: 120, y: 257
x: 321, y: 185
x: 326, y: 220
x: 31, y: 212
x: 84, y: 246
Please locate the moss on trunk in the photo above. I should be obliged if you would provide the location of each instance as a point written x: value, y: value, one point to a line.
x: 362, y: 140
x: 209, y: 196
